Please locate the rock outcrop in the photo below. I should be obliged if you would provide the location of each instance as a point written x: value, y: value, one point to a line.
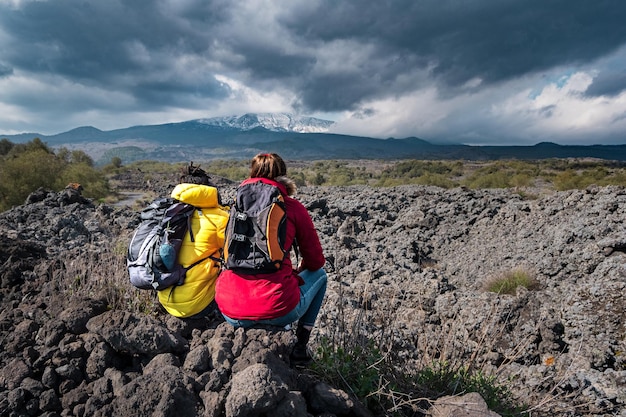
x: 407, y: 268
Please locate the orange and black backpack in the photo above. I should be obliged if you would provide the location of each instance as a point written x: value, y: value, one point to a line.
x: 256, y: 230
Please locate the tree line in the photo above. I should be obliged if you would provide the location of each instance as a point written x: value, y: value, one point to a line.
x: 25, y: 167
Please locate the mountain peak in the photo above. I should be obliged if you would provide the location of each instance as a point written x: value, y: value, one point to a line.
x: 276, y: 122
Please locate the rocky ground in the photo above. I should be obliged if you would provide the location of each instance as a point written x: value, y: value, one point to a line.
x: 407, y: 268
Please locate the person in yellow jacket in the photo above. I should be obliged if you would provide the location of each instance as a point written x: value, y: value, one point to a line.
x: 194, y: 299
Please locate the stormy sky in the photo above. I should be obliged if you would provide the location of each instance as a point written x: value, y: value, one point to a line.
x: 464, y: 71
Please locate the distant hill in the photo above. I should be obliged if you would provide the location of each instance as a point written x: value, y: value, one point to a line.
x: 294, y: 137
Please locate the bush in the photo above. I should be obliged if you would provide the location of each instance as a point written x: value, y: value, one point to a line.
x: 437, y: 180
x: 441, y: 379
x: 26, y: 172
x: 94, y: 183
x: 32, y: 165
x: 234, y: 169
x: 356, y: 365
x: 568, y: 180
x: 498, y: 179
x: 366, y: 363
x: 353, y: 368
x: 508, y: 282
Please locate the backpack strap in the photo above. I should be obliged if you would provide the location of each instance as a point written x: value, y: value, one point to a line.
x: 296, y: 250
x: 189, y: 225
x: 220, y: 261
x: 199, y: 261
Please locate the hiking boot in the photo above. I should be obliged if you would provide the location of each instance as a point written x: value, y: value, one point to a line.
x: 300, y: 356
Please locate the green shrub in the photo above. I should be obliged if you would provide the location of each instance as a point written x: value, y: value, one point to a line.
x: 353, y: 369
x: 5, y: 146
x: 498, y: 179
x: 34, y: 145
x: 74, y: 157
x: 24, y: 173
x: 379, y: 380
x: 95, y: 185
x: 521, y: 180
x: 32, y: 165
x: 233, y: 169
x: 437, y: 180
x: 316, y: 179
x: 441, y: 379
x: 568, y: 180
x: 617, y: 178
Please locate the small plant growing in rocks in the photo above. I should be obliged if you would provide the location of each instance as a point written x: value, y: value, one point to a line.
x: 352, y: 367
x: 441, y: 378
x: 508, y: 282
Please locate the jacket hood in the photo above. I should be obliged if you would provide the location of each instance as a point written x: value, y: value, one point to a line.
x: 196, y: 194
x: 286, y: 185
x: 289, y: 184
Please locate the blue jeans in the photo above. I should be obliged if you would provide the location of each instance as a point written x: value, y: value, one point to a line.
x: 311, y: 297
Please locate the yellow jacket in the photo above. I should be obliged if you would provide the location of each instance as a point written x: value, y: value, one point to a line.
x: 207, y: 224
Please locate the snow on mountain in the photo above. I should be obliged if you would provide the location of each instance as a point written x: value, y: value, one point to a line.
x: 276, y: 122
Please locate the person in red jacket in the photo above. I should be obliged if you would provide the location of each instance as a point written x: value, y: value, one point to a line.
x: 290, y: 294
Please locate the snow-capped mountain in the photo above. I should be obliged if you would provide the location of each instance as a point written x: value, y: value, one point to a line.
x: 276, y: 122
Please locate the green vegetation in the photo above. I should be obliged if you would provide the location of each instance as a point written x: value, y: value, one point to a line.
x: 442, y: 379
x: 353, y: 367
x: 128, y: 153
x: 358, y: 366
x: 508, y: 282
x: 235, y: 170
x: 441, y: 174
x: 550, y: 174
x: 26, y: 167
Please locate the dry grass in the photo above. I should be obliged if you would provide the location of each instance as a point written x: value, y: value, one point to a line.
x: 364, y: 350
x: 103, y: 275
x: 509, y: 281
x: 367, y: 349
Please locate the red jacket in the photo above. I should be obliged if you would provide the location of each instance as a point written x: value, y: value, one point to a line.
x: 268, y: 296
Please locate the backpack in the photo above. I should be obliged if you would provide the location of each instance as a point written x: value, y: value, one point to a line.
x: 152, y: 254
x: 256, y: 230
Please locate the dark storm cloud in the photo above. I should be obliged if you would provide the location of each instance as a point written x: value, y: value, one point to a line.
x: 329, y: 55
x: 267, y: 62
x: 93, y: 42
x: 101, y: 43
x: 607, y: 84
x: 462, y: 40
x: 5, y: 70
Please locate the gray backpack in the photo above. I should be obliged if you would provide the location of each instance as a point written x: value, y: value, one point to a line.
x: 152, y: 257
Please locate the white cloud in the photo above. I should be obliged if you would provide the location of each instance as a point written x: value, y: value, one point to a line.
x: 561, y: 112
x: 501, y: 114
x: 395, y: 117
x: 52, y: 104
x: 244, y: 99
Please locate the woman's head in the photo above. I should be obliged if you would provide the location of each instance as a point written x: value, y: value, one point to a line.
x: 267, y: 165
x: 192, y: 174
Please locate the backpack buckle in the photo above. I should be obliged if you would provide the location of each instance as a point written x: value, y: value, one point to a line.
x: 241, y: 216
